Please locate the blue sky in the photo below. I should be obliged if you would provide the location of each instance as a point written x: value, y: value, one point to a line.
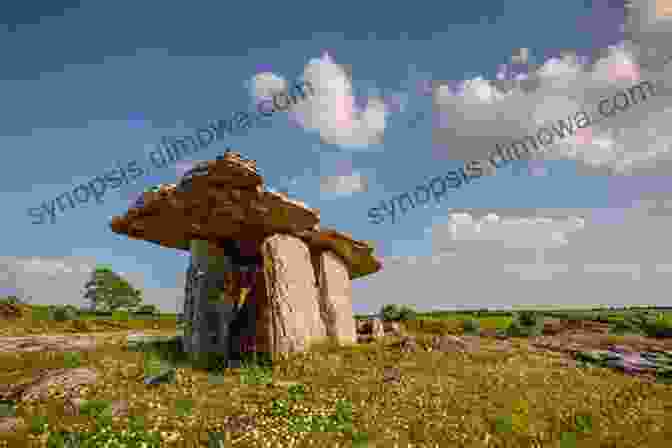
x: 86, y: 85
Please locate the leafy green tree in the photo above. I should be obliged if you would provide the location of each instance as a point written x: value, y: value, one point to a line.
x: 108, y: 290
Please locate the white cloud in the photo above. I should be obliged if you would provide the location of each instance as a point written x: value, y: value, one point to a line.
x: 481, y: 114
x: 529, y: 258
x: 44, y: 266
x: 331, y: 111
x: 535, y: 232
x: 663, y: 268
x: 343, y: 185
x: 265, y: 85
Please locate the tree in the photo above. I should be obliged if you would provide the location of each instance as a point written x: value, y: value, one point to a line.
x: 108, y: 290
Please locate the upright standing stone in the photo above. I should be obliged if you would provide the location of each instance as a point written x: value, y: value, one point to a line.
x: 336, y: 297
x: 293, y: 296
x: 210, y: 311
x: 264, y: 316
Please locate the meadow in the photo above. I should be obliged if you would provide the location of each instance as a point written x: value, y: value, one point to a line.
x: 495, y: 395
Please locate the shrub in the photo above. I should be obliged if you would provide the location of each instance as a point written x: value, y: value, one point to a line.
x: 296, y: 392
x: 602, y: 318
x: 280, y: 407
x: 390, y: 312
x: 63, y: 313
x: 407, y: 313
x: 526, y: 324
x: 394, y: 312
x: 256, y: 375
x: 7, y: 408
x: 660, y: 327
x: 528, y: 318
x: 471, y: 326
x: 11, y: 300
x: 147, y: 308
x: 625, y: 326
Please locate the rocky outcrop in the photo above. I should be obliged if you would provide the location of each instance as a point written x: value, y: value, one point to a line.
x: 73, y: 407
x: 336, y: 298
x: 448, y: 343
x: 293, y: 296
x: 46, y: 343
x: 10, y: 311
x: 408, y: 344
x: 64, y: 382
x: 393, y: 328
x: 9, y: 425
x: 371, y: 329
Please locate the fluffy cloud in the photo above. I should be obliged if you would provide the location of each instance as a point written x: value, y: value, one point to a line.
x: 476, y: 114
x: 537, y: 232
x: 550, y: 257
x: 343, y: 185
x: 265, y: 85
x: 331, y: 111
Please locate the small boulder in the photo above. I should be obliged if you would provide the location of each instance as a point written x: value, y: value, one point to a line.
x: 10, y: 311
x: 363, y: 326
x: 11, y: 425
x: 408, y: 344
x: 120, y: 408
x: 377, y: 328
x: 391, y: 375
x: 448, y: 343
x: 552, y: 327
x: 73, y: 407
x: 239, y: 423
x: 370, y: 329
x: 67, y: 381
x: 364, y: 338
x: 393, y: 328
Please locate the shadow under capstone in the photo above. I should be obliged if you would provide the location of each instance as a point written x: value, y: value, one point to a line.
x: 170, y: 350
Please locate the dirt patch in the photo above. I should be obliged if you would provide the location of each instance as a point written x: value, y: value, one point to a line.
x: 69, y: 342
x: 10, y: 311
x: 573, y: 340
x: 47, y: 343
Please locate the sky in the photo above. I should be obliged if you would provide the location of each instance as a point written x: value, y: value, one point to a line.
x: 405, y: 92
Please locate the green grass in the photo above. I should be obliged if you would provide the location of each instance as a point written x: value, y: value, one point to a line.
x: 335, y: 395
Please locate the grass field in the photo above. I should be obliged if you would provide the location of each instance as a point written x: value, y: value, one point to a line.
x: 337, y: 395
